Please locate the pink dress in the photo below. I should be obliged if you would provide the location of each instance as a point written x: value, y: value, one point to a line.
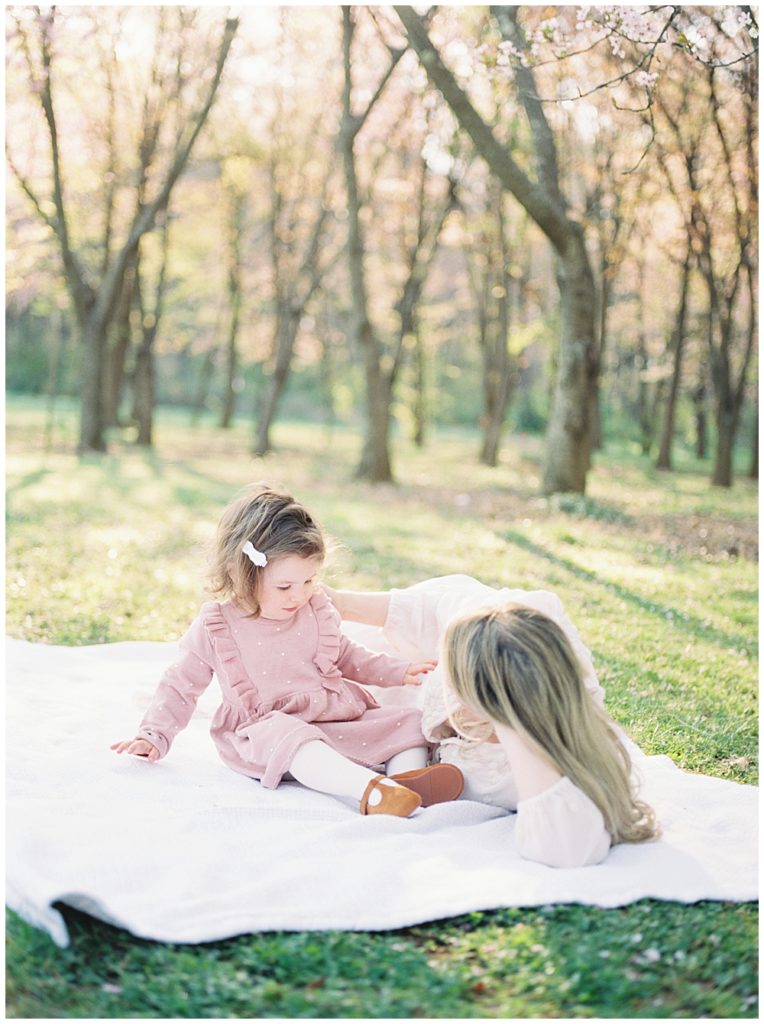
x: 283, y: 683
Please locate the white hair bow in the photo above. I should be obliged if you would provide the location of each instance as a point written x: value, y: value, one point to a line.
x: 256, y: 557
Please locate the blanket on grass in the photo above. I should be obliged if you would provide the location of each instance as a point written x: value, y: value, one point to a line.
x: 188, y: 851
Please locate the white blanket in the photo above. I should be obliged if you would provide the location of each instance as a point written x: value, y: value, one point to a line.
x: 188, y: 851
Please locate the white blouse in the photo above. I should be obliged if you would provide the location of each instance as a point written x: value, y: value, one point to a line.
x: 561, y: 826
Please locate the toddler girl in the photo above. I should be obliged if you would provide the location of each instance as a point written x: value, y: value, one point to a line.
x: 290, y: 679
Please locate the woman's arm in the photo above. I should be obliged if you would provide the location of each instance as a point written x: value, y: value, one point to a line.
x: 532, y: 770
x: 557, y: 824
x: 360, y: 606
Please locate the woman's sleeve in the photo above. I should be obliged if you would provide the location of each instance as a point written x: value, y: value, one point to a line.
x: 179, y: 689
x: 418, y: 616
x: 561, y: 827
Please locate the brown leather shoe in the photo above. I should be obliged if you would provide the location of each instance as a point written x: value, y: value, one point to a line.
x: 435, y: 785
x: 398, y: 800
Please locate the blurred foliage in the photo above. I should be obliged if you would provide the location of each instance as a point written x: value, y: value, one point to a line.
x: 271, y: 125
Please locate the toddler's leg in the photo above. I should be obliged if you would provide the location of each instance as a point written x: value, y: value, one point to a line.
x: 407, y: 760
x: 434, y: 785
x: 317, y: 766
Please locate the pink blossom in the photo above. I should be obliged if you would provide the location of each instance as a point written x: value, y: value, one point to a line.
x: 646, y: 79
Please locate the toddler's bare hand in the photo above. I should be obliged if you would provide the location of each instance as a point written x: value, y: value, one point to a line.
x: 417, y: 669
x: 138, y: 748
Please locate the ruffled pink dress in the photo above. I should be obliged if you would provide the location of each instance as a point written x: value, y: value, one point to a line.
x: 283, y: 683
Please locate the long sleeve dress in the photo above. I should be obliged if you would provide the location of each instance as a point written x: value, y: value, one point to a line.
x: 283, y: 683
x: 561, y: 826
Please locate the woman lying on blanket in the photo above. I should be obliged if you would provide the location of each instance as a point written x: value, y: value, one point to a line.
x: 293, y: 704
x: 517, y: 706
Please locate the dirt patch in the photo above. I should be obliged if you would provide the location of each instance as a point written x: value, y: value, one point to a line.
x: 708, y: 538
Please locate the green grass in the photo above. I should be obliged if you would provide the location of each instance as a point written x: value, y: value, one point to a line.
x: 658, y: 571
x: 647, y: 960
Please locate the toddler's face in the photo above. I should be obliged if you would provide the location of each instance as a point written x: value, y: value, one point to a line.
x: 286, y: 584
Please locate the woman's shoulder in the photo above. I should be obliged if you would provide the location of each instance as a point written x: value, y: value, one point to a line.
x: 545, y: 601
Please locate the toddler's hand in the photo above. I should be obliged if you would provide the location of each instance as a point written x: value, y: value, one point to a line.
x: 417, y: 669
x: 138, y: 748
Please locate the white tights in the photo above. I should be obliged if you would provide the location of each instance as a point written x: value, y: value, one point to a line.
x: 318, y: 766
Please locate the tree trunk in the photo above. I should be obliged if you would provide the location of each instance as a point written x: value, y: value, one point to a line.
x: 115, y: 376
x: 667, y: 434
x: 701, y: 420
x: 643, y: 397
x: 232, y: 368
x: 644, y: 411
x: 497, y: 377
x: 235, y: 226
x: 117, y: 353
x: 753, y: 472
x: 568, y: 443
x: 728, y: 395
x: 595, y: 415
x: 287, y: 324
x: 92, y: 419
x: 497, y: 365
x: 568, y: 438
x: 54, y: 374
x: 95, y: 306
x: 144, y: 388
x: 420, y: 258
x: 595, y: 412
x: 144, y: 375
x: 375, y: 464
x: 420, y: 392
x: 203, y: 384
x: 495, y: 414
x: 725, y: 440
x: 295, y: 281
x: 92, y: 428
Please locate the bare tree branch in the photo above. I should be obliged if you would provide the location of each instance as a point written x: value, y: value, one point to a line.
x: 548, y: 215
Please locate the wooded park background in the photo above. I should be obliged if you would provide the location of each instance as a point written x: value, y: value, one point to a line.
x: 481, y: 252
x: 512, y: 219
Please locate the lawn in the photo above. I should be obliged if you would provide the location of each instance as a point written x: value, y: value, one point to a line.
x: 659, y: 572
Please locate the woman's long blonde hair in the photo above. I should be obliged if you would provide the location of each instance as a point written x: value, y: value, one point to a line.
x: 516, y: 665
x: 276, y: 524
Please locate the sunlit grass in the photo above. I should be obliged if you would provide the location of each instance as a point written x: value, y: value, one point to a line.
x: 113, y: 548
x: 658, y: 571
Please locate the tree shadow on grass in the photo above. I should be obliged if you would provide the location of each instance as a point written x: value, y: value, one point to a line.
x: 678, y: 620
x: 28, y: 481
x: 201, y: 491
x: 702, y: 727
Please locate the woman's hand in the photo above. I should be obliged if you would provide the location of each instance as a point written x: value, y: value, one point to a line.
x: 138, y: 748
x: 417, y: 669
